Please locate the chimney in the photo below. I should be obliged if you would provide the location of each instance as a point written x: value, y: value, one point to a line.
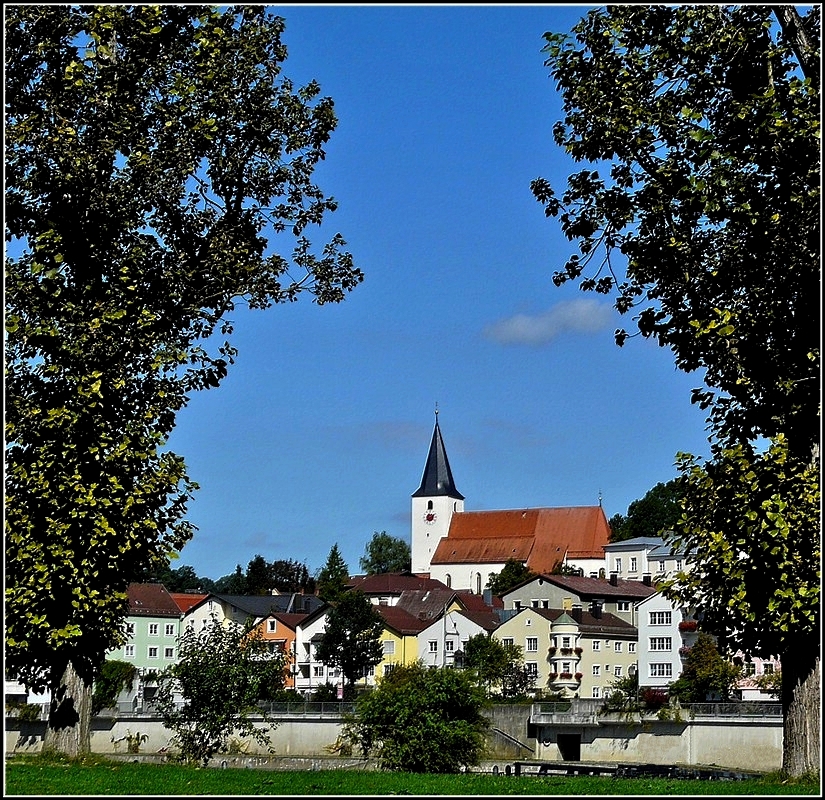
x: 596, y: 610
x: 487, y: 594
x: 614, y: 579
x: 576, y: 613
x: 647, y: 580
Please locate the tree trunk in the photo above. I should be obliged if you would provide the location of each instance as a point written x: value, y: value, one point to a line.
x: 70, y: 714
x: 803, y: 46
x: 801, y: 711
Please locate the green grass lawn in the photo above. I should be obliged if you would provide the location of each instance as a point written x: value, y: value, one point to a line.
x: 35, y: 775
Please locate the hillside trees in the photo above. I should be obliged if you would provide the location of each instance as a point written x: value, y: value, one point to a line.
x: 705, y: 226
x: 512, y: 574
x: 152, y: 154
x: 385, y: 553
x: 650, y: 515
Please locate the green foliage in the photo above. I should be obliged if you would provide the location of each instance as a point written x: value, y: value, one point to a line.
x: 706, y: 675
x: 385, y: 553
x: 420, y: 719
x: 234, y: 583
x: 222, y: 673
x: 351, y: 636
x: 771, y: 683
x: 115, y: 677
x: 152, y: 154
x: 623, y: 694
x: 512, y: 574
x: 752, y: 520
x: 496, y: 665
x: 709, y: 138
x: 25, y: 712
x: 333, y: 576
x: 652, y: 515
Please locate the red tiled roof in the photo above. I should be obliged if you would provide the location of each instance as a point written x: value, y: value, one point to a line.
x: 589, y: 623
x: 290, y: 620
x: 599, y: 587
x: 486, y: 619
x: 538, y: 536
x: 185, y: 601
x: 151, y: 600
x: 475, y: 602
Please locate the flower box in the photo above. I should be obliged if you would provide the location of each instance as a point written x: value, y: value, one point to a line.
x: 565, y: 676
x: 578, y: 676
x: 566, y: 651
x: 577, y: 651
x: 688, y: 626
x: 551, y: 651
x: 552, y: 676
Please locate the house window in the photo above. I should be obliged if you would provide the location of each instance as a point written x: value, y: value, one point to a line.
x: 369, y: 672
x: 517, y: 605
x: 545, y: 604
x: 507, y: 641
x: 153, y: 652
x: 153, y: 629
x: 130, y: 628
x: 597, y: 692
x: 565, y: 666
x: 660, y: 643
x: 318, y: 671
x: 767, y: 669
x: 528, y: 621
x: 597, y: 645
x: 658, y: 670
x: 129, y: 651
x: 678, y: 563
x: 389, y: 648
x: 631, y: 647
x: 618, y: 565
x: 633, y: 567
x: 597, y: 669
x: 534, y: 603
x: 271, y: 625
x: 168, y: 652
x: 617, y: 671
x: 388, y: 668
x: 449, y: 645
x: 531, y: 644
x: 565, y: 641
x: 433, y: 646
x: 532, y: 668
x: 750, y: 668
x: 617, y: 646
x: 661, y: 566
x: 623, y: 605
x: 660, y: 617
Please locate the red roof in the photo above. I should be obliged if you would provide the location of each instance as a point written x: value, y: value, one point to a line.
x: 402, y: 621
x: 151, y: 600
x: 185, y: 601
x: 540, y: 537
x: 393, y: 583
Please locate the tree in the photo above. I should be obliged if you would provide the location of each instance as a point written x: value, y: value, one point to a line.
x: 234, y: 583
x: 291, y: 576
x: 512, y: 574
x: 706, y: 675
x: 652, y: 515
x: 496, y: 664
x: 222, y: 673
x: 259, y: 578
x: 352, y: 636
x: 386, y: 553
x: 152, y: 152
x: 420, y: 719
x: 707, y: 120
x: 333, y: 576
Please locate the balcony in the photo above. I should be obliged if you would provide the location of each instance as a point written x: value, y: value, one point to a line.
x: 577, y: 711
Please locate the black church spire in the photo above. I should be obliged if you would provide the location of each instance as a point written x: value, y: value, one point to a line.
x: 437, y: 479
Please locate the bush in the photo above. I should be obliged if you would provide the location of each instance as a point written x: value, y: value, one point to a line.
x: 115, y: 677
x: 420, y: 719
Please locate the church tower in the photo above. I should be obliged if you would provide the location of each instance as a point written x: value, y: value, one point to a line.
x: 434, y: 504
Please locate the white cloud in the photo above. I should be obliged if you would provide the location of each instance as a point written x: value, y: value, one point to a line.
x: 585, y: 315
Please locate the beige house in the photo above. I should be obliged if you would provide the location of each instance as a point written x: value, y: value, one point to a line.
x: 577, y: 653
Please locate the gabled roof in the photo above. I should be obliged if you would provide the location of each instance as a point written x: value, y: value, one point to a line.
x: 393, y: 583
x: 593, y: 588
x: 607, y: 623
x: 268, y: 604
x: 292, y: 621
x: 637, y: 541
x: 428, y: 604
x: 488, y: 619
x: 541, y: 537
x: 437, y: 479
x: 401, y: 621
x: 476, y: 602
x: 185, y: 601
x: 151, y: 600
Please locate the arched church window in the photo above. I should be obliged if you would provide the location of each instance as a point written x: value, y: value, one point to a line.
x: 429, y: 505
x: 448, y: 579
x: 478, y: 583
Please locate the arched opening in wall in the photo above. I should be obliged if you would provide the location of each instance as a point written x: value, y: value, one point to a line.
x: 455, y: 506
x: 448, y: 579
x: 478, y: 583
x: 429, y: 505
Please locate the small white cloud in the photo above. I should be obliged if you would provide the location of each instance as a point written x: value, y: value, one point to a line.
x: 585, y: 315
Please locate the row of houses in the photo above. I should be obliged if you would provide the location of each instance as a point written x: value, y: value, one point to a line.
x: 577, y: 634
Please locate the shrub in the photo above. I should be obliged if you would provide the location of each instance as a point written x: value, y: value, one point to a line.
x: 115, y: 677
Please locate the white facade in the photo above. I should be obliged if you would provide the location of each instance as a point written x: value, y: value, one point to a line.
x: 430, y: 523
x: 438, y: 644
x: 472, y: 577
x: 310, y: 671
x: 660, y: 640
x: 630, y: 560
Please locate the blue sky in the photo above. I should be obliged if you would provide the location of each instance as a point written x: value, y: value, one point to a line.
x: 320, y: 432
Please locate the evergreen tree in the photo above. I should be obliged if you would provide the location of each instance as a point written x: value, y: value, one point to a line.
x: 333, y: 576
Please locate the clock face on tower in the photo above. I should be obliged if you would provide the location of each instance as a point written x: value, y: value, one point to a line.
x: 430, y: 517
